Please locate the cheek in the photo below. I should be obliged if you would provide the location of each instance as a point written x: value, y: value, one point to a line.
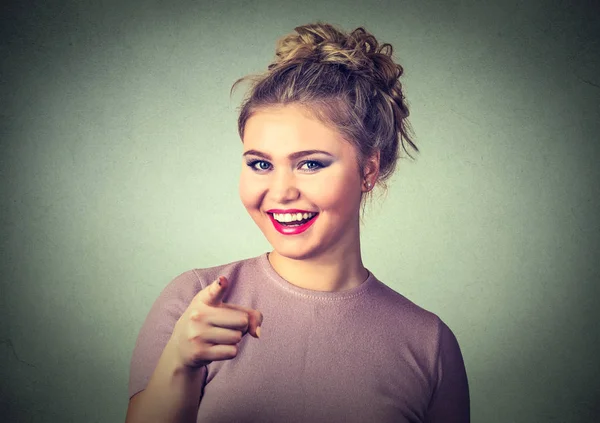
x: 249, y: 192
x: 340, y: 187
x: 340, y: 193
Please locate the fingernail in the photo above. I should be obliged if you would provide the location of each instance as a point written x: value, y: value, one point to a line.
x: 258, y: 331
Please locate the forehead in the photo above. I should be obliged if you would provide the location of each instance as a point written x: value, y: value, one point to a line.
x: 289, y: 126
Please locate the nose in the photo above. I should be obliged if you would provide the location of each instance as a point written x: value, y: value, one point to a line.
x: 283, y: 186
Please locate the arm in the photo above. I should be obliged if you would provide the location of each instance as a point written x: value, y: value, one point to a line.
x: 186, y: 329
x: 172, y: 395
x: 450, y: 400
x: 159, y: 389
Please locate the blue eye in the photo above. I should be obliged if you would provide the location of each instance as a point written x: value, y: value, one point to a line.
x: 316, y: 165
x: 253, y: 163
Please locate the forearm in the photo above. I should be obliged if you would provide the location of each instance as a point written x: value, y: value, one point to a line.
x: 172, y: 395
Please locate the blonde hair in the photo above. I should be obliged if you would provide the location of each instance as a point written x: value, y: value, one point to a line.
x: 346, y: 81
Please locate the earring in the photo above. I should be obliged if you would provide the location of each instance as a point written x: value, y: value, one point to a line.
x: 369, y: 185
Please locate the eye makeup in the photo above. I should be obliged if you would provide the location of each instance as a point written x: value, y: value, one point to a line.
x: 319, y: 165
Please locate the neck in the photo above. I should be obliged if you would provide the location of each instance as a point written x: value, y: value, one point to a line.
x: 333, y: 271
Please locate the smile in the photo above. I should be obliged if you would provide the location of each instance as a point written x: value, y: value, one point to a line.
x: 293, y: 228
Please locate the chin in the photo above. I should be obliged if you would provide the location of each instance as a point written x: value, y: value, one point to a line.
x: 295, y: 250
x: 295, y: 254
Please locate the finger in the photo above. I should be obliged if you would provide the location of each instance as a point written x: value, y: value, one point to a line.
x: 255, y: 317
x: 213, y: 294
x: 219, y: 336
x: 217, y: 352
x: 221, y: 352
x: 223, y: 317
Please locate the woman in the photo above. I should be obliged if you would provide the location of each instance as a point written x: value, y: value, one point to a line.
x: 329, y: 341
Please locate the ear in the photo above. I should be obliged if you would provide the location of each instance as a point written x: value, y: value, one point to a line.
x: 371, y: 169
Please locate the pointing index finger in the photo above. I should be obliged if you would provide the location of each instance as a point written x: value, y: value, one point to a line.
x: 213, y: 294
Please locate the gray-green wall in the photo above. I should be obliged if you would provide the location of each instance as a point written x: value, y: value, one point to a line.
x: 120, y: 161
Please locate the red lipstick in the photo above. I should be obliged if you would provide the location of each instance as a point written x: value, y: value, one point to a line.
x: 292, y: 230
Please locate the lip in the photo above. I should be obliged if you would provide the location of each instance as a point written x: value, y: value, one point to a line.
x: 278, y: 211
x: 286, y: 230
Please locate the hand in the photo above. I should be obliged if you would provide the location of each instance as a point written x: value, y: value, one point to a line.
x: 209, y: 330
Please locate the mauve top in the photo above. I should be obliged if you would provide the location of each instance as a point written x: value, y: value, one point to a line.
x: 367, y: 354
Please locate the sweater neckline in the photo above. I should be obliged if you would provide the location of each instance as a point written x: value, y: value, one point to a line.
x: 309, y: 293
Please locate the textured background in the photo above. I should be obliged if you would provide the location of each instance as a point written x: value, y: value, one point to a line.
x: 120, y: 159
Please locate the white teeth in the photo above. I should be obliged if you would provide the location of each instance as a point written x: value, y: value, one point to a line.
x: 287, y: 217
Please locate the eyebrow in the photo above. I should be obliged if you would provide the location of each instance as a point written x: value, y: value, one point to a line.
x: 292, y: 156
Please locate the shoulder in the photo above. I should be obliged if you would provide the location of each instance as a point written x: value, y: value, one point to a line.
x: 424, y: 330
x: 412, y: 334
x: 187, y: 284
x: 401, y: 309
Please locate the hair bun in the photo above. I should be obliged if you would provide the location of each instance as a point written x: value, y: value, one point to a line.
x: 358, y: 51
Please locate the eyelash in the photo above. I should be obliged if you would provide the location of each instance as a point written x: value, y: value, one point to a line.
x: 252, y: 163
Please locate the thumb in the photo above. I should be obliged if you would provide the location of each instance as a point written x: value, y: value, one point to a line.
x: 213, y: 294
x: 255, y: 318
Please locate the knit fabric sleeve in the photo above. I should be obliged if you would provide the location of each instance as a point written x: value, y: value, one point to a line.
x: 158, y: 327
x: 450, y: 399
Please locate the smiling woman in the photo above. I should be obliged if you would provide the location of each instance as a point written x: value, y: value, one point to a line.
x: 289, y: 137
x: 332, y: 342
